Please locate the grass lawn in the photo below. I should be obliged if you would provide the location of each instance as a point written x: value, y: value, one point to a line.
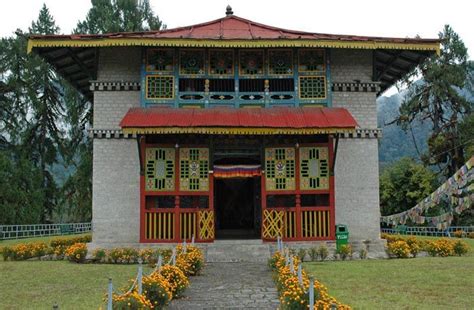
x: 39, y: 284
x: 417, y: 283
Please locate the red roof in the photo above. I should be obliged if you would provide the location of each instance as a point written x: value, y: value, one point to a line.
x: 270, y: 118
x: 231, y: 27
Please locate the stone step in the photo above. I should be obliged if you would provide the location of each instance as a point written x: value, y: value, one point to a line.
x: 225, y: 251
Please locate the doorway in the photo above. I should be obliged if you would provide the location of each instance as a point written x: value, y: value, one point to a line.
x: 237, y: 207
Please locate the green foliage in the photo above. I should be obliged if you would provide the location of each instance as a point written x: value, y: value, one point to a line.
x: 403, y: 184
x: 119, y: 16
x: 437, y: 98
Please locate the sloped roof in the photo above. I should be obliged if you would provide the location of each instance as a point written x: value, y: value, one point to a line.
x: 233, y: 27
x: 308, y: 120
x: 74, y: 56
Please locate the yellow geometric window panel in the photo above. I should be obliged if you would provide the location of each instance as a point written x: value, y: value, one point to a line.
x: 314, y: 168
x: 159, y: 169
x: 312, y: 87
x: 280, y: 168
x: 194, y: 169
x: 159, y: 87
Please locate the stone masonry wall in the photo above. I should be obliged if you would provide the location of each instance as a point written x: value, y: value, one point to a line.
x: 116, y: 192
x: 116, y: 175
x: 348, y: 65
x: 357, y: 173
x: 357, y: 188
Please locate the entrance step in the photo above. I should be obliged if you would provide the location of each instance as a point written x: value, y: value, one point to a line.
x: 226, y: 251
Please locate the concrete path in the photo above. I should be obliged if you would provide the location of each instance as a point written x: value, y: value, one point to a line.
x: 240, y: 285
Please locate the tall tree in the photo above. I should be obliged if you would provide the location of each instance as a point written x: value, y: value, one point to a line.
x: 438, y: 99
x: 119, y: 16
x: 43, y: 137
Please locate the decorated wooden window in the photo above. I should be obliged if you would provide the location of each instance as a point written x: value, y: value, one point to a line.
x: 311, y: 60
x: 280, y: 62
x: 194, y: 169
x: 159, y: 169
x: 251, y: 62
x: 280, y: 168
x: 161, y: 60
x: 191, y: 62
x: 221, y: 62
x: 314, y: 168
x: 312, y: 87
x: 159, y: 87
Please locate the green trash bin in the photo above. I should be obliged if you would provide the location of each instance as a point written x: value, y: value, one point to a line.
x: 401, y: 229
x: 342, y: 236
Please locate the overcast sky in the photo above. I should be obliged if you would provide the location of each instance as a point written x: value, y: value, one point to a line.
x: 399, y: 18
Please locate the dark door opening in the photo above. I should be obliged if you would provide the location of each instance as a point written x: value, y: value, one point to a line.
x: 237, y: 206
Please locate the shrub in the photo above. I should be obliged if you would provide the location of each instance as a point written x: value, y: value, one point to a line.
x: 132, y: 301
x: 25, y: 251
x: 313, y: 253
x: 470, y: 235
x: 157, y: 290
x: 77, y: 252
x: 99, y: 255
x: 323, y: 252
x: 362, y: 253
x: 123, y: 255
x: 301, y: 254
x: 460, y: 248
x: 459, y: 234
x: 193, y: 257
x: 176, y: 278
x: 147, y: 256
x: 345, y: 251
x: 400, y: 249
x: 441, y: 247
x: 60, y: 244
x: 414, y: 245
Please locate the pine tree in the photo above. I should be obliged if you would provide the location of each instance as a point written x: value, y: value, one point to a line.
x: 437, y: 99
x: 43, y: 137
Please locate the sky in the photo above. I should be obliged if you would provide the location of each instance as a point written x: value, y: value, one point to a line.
x: 400, y: 18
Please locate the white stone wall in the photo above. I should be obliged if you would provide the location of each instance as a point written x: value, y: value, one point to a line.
x: 116, y: 168
x: 361, y: 105
x: 119, y: 64
x: 116, y: 192
x: 111, y: 106
x: 349, y: 65
x: 357, y: 188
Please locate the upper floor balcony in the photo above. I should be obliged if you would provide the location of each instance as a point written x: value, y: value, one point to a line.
x: 235, y: 77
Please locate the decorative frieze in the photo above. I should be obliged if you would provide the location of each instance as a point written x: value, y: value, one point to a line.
x: 114, y: 85
x: 363, y: 133
x: 110, y: 134
x: 372, y: 87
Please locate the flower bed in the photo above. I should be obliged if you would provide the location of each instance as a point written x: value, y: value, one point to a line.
x: 294, y: 294
x: 164, y: 283
x: 404, y: 247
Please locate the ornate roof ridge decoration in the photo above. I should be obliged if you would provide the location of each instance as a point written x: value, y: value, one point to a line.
x: 231, y: 31
x: 114, y: 85
x: 372, y: 87
x: 358, y: 133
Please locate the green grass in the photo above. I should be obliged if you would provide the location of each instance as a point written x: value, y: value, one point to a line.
x: 416, y: 283
x: 40, y: 284
x: 38, y: 239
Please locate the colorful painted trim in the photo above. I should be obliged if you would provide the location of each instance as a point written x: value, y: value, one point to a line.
x: 236, y: 171
x: 234, y: 130
x: 108, y: 42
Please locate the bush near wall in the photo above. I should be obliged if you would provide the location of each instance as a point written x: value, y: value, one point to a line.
x: 403, y: 247
x: 25, y: 251
x: 292, y: 294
